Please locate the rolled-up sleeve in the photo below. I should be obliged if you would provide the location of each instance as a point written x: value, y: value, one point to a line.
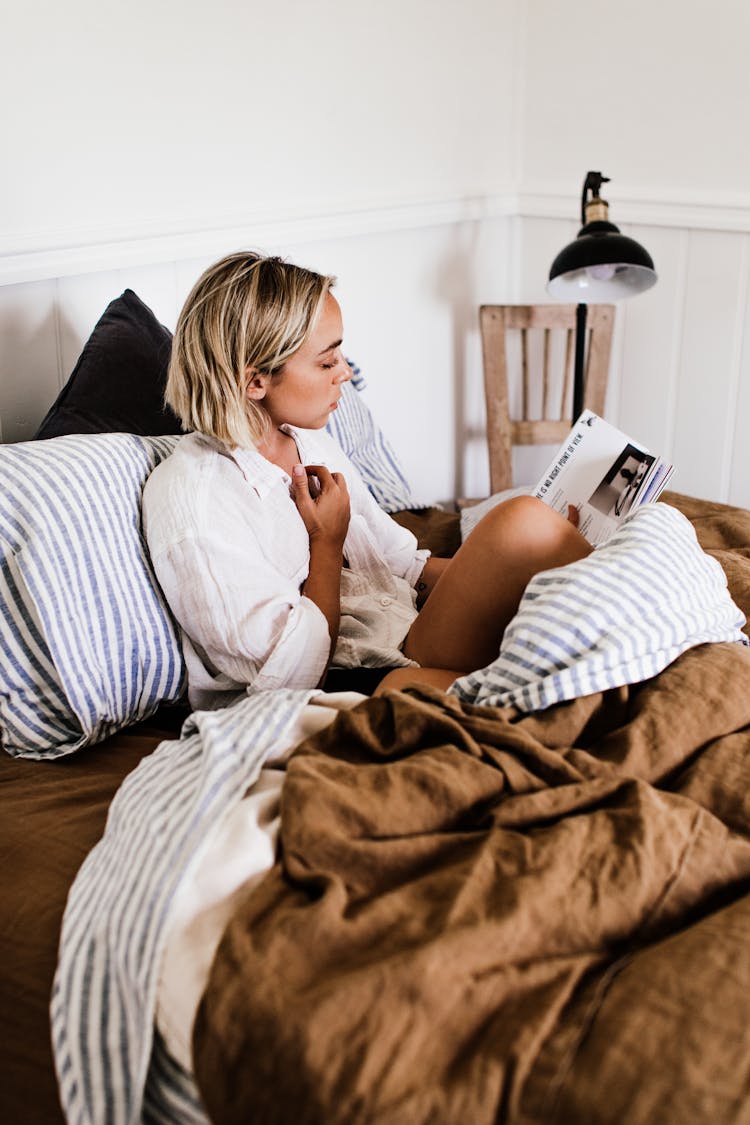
x: 245, y: 621
x: 299, y: 657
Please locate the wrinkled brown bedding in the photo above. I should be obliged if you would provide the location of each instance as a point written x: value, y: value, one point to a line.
x: 480, y: 916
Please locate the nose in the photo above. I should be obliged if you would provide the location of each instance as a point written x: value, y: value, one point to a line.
x: 343, y: 372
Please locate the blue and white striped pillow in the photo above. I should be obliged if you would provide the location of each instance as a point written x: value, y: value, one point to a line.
x: 87, y: 642
x: 617, y: 617
x: 365, y: 444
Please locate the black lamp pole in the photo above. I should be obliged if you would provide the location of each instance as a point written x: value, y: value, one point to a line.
x: 592, y: 183
x: 580, y: 356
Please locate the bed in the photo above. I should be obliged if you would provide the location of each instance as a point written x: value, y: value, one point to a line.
x: 526, y: 900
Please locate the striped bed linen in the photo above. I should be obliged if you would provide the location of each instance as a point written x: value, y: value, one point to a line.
x: 110, y: 1068
x: 617, y: 617
x: 88, y: 644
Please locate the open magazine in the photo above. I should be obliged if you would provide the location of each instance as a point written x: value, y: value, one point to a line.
x: 604, y: 474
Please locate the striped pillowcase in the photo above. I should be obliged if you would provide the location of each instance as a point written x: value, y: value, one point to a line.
x: 87, y: 642
x: 617, y: 617
x: 365, y: 444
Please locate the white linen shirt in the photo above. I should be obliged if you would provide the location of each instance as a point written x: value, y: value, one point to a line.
x: 231, y: 552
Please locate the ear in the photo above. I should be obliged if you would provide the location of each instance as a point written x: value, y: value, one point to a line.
x: 256, y: 384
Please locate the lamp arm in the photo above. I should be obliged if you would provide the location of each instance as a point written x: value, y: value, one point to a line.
x: 592, y: 183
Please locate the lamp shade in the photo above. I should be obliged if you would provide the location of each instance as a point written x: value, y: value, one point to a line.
x: 601, y: 264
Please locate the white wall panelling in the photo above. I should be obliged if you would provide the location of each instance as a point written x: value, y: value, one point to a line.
x: 29, y: 356
x: 681, y: 353
x: 681, y: 358
x: 739, y: 473
x: 409, y: 299
x: 711, y: 344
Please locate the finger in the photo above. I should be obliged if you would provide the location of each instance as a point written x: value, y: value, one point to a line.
x: 300, y: 483
x: 340, y: 481
x: 319, y: 478
x: 314, y: 485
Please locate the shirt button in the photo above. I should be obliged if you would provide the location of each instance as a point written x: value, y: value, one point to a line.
x: 385, y: 601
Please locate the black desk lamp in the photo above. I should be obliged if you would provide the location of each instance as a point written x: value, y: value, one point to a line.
x: 602, y: 265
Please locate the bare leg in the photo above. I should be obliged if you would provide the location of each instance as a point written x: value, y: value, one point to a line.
x: 463, y: 620
x: 398, y: 679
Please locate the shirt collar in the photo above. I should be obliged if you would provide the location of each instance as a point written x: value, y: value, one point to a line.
x: 257, y: 470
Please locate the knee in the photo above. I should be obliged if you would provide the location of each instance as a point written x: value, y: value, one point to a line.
x: 532, y: 526
x: 521, y: 514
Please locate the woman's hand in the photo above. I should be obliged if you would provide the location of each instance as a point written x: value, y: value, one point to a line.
x: 322, y: 500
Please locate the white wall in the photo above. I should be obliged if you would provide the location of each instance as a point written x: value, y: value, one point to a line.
x: 177, y: 115
x: 429, y: 152
x: 377, y: 142
x: 655, y: 96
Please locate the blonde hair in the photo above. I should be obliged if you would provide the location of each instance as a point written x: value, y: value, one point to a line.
x: 246, y: 311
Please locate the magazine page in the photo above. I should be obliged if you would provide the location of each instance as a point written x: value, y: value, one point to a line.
x: 604, y: 474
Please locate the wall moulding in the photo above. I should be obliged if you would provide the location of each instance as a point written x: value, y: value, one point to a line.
x: 66, y: 253
x: 654, y: 207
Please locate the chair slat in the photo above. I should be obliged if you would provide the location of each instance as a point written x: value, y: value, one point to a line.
x: 543, y: 431
x: 525, y: 372
x: 567, y: 383
x: 545, y: 373
x: 497, y: 322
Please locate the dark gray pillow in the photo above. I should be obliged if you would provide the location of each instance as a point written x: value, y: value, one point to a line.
x: 118, y: 382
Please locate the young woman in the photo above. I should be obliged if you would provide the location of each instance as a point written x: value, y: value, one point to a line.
x: 274, y: 558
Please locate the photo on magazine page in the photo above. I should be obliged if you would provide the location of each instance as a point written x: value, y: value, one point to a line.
x: 619, y: 489
x: 604, y: 474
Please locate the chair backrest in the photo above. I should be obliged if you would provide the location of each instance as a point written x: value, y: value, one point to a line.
x: 528, y: 357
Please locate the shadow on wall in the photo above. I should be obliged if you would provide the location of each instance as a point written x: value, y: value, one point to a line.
x: 455, y: 284
x: 30, y: 376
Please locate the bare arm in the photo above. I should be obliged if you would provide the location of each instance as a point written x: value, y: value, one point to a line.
x: 325, y: 513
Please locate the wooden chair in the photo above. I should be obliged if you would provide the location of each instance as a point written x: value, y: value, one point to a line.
x: 536, y: 343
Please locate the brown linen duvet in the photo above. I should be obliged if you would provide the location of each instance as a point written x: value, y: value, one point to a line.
x: 481, y: 916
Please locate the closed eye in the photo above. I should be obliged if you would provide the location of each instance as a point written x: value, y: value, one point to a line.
x: 335, y: 360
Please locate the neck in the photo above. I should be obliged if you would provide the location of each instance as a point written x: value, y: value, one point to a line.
x: 279, y: 448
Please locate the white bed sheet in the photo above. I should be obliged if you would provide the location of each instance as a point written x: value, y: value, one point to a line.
x: 233, y: 860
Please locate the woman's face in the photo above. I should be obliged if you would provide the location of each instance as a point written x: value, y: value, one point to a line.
x: 308, y: 387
